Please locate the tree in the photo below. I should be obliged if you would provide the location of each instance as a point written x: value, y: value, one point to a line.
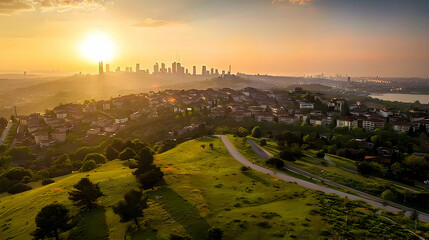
x: 86, y: 193
x: 20, y: 154
x: 257, y: 132
x: 128, y: 153
x: 17, y: 173
x: 111, y: 153
x: 118, y: 145
x: 287, y: 155
x: 215, y: 233
x: 278, y: 163
x: 150, y: 179
x: 51, y: 220
x: 96, y: 157
x: 88, y: 166
x: 131, y: 208
x: 242, y: 132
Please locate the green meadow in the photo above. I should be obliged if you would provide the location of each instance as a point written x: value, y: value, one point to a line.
x: 204, y: 188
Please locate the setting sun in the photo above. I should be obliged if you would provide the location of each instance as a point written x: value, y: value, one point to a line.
x: 98, y: 47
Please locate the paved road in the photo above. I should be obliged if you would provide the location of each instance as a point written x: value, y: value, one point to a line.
x: 6, y: 132
x: 261, y: 152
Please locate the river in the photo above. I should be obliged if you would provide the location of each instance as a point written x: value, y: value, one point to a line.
x: 407, y: 98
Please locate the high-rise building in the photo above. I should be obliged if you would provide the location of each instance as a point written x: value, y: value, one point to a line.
x: 100, y: 68
x: 203, y: 70
x: 186, y: 71
x: 107, y: 68
x: 118, y: 69
x: 174, y: 67
x: 348, y: 79
x: 217, y: 72
x: 229, y: 71
x: 169, y: 70
x: 127, y: 69
x: 137, y: 67
x: 212, y: 71
x: 163, y: 69
x: 156, y: 68
x: 194, y: 70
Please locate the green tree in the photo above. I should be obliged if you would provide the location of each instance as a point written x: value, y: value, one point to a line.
x: 151, y: 178
x: 88, y: 166
x: 96, y: 157
x: 128, y: 153
x: 131, y: 208
x: 111, y: 153
x: 257, y: 132
x: 86, y: 193
x: 51, y: 220
x: 278, y: 163
x: 242, y: 132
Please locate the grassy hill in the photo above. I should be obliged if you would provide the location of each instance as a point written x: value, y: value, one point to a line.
x: 205, y: 188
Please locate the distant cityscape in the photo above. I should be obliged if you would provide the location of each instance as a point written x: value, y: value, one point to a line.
x: 175, y: 69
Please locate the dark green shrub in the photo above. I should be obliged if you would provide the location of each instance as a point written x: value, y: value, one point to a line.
x: 128, y: 153
x: 17, y: 173
x: 263, y: 142
x: 257, y: 132
x: 287, y: 155
x: 97, y: 157
x: 111, y: 153
x: 242, y: 132
x: 278, y: 163
x: 19, y: 188
x: 47, y: 181
x: 88, y: 166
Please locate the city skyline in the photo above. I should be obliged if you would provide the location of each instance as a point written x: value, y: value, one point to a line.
x: 291, y: 38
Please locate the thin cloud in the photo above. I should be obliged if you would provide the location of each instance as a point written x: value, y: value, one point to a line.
x: 150, y: 22
x: 8, y: 7
x: 293, y: 2
x: 12, y: 6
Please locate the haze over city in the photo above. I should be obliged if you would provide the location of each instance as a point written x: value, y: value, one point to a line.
x: 357, y: 38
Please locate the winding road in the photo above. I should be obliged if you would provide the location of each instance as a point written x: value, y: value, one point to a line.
x: 372, y: 200
x: 6, y: 132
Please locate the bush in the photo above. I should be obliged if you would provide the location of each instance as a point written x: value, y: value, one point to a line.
x: 244, y: 168
x: 257, y: 132
x: 263, y: 142
x: 47, y: 181
x: 5, y: 184
x: 97, y: 157
x: 88, y: 166
x: 19, y: 188
x: 388, y: 195
x: 111, y: 153
x: 17, y: 173
x: 287, y: 155
x: 128, y: 153
x: 242, y: 132
x: 320, y: 154
x: 278, y: 163
x: 131, y: 163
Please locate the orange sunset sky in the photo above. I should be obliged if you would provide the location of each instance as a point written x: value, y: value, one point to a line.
x: 280, y: 37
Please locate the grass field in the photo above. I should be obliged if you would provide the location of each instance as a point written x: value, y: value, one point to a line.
x: 205, y: 188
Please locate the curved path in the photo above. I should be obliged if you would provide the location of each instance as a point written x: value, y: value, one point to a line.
x: 6, y: 132
x: 364, y: 197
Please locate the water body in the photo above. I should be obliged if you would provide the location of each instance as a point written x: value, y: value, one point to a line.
x: 407, y: 98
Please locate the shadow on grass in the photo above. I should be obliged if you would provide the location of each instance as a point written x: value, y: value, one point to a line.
x: 256, y: 178
x: 184, y: 213
x: 91, y: 225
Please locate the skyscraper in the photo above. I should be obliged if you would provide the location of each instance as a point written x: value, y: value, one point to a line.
x: 137, y: 67
x: 174, y: 67
x: 156, y: 68
x: 100, y: 68
x: 203, y: 70
x: 194, y: 70
x: 163, y: 69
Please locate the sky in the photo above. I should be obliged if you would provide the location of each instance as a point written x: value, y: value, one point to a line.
x: 278, y: 37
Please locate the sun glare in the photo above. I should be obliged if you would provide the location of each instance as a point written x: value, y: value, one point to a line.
x: 98, y: 47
